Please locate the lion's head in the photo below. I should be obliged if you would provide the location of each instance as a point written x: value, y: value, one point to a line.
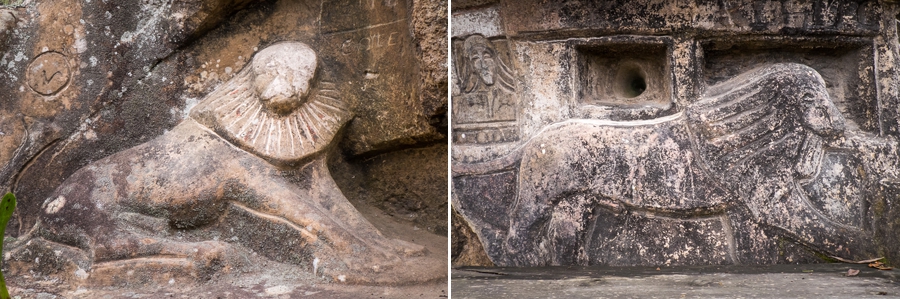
x: 274, y: 107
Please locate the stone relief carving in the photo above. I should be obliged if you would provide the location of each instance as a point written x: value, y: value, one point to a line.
x: 757, y: 153
x: 267, y: 111
x: 486, y: 105
x: 770, y: 141
x: 247, y: 170
x: 48, y: 73
x: 665, y: 133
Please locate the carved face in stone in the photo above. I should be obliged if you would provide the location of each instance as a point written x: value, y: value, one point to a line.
x: 282, y: 74
x: 821, y: 115
x: 273, y: 108
x: 481, y: 58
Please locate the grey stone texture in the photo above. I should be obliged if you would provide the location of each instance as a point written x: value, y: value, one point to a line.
x: 769, y: 281
x: 188, y: 140
x: 651, y: 133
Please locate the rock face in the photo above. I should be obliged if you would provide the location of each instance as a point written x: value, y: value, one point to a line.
x: 133, y: 131
x: 663, y: 133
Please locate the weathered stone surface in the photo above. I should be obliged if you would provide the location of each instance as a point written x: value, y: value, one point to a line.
x: 720, y: 281
x: 659, y: 133
x: 94, y: 82
x: 259, y: 182
x: 430, y: 36
x: 7, y: 23
x: 138, y: 77
x: 407, y: 184
x: 466, y: 250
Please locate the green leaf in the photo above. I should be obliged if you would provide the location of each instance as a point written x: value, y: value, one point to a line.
x: 7, y: 207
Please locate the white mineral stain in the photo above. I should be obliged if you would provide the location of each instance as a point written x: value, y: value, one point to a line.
x: 90, y: 135
x: 80, y: 43
x: 55, y: 205
x: 315, y: 266
x: 81, y: 274
x: 279, y: 290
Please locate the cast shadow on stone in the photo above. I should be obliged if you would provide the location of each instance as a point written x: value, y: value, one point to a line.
x: 769, y: 143
x: 246, y: 173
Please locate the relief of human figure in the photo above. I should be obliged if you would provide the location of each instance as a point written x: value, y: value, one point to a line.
x: 756, y: 141
x: 256, y: 146
x: 486, y: 84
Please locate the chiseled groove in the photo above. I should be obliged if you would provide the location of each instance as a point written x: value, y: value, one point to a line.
x: 156, y: 257
x: 303, y: 125
x: 311, y: 123
x: 735, y: 120
x: 303, y: 231
x: 246, y: 121
x: 263, y: 119
x: 613, y: 123
x: 744, y: 160
x: 758, y: 128
x: 735, y: 103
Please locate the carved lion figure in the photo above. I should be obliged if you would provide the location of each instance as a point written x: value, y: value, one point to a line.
x: 248, y: 168
x: 752, y: 140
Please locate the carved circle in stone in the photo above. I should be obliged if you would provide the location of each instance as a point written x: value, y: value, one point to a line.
x: 48, y: 73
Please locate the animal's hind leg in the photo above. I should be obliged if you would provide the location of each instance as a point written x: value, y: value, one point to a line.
x: 125, y: 255
x: 131, y: 251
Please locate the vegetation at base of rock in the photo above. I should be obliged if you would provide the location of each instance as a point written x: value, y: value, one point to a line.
x: 825, y: 257
x: 11, y: 2
x: 7, y: 207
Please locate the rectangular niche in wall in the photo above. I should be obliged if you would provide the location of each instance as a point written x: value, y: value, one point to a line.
x: 622, y: 77
x: 846, y: 64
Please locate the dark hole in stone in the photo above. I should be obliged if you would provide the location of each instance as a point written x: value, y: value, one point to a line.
x: 638, y: 85
x: 631, y: 82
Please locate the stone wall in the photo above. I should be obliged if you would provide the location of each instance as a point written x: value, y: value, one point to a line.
x: 88, y: 79
x: 84, y: 80
x: 631, y: 85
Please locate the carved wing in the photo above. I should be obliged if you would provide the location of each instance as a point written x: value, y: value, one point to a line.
x: 758, y: 118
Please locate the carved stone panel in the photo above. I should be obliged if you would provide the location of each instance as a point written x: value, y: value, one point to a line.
x: 486, y: 106
x: 660, y: 132
x: 155, y: 143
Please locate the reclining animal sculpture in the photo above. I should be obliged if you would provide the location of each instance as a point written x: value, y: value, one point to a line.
x: 254, y: 149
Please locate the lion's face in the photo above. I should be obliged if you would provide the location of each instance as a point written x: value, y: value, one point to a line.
x: 820, y: 115
x: 282, y: 74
